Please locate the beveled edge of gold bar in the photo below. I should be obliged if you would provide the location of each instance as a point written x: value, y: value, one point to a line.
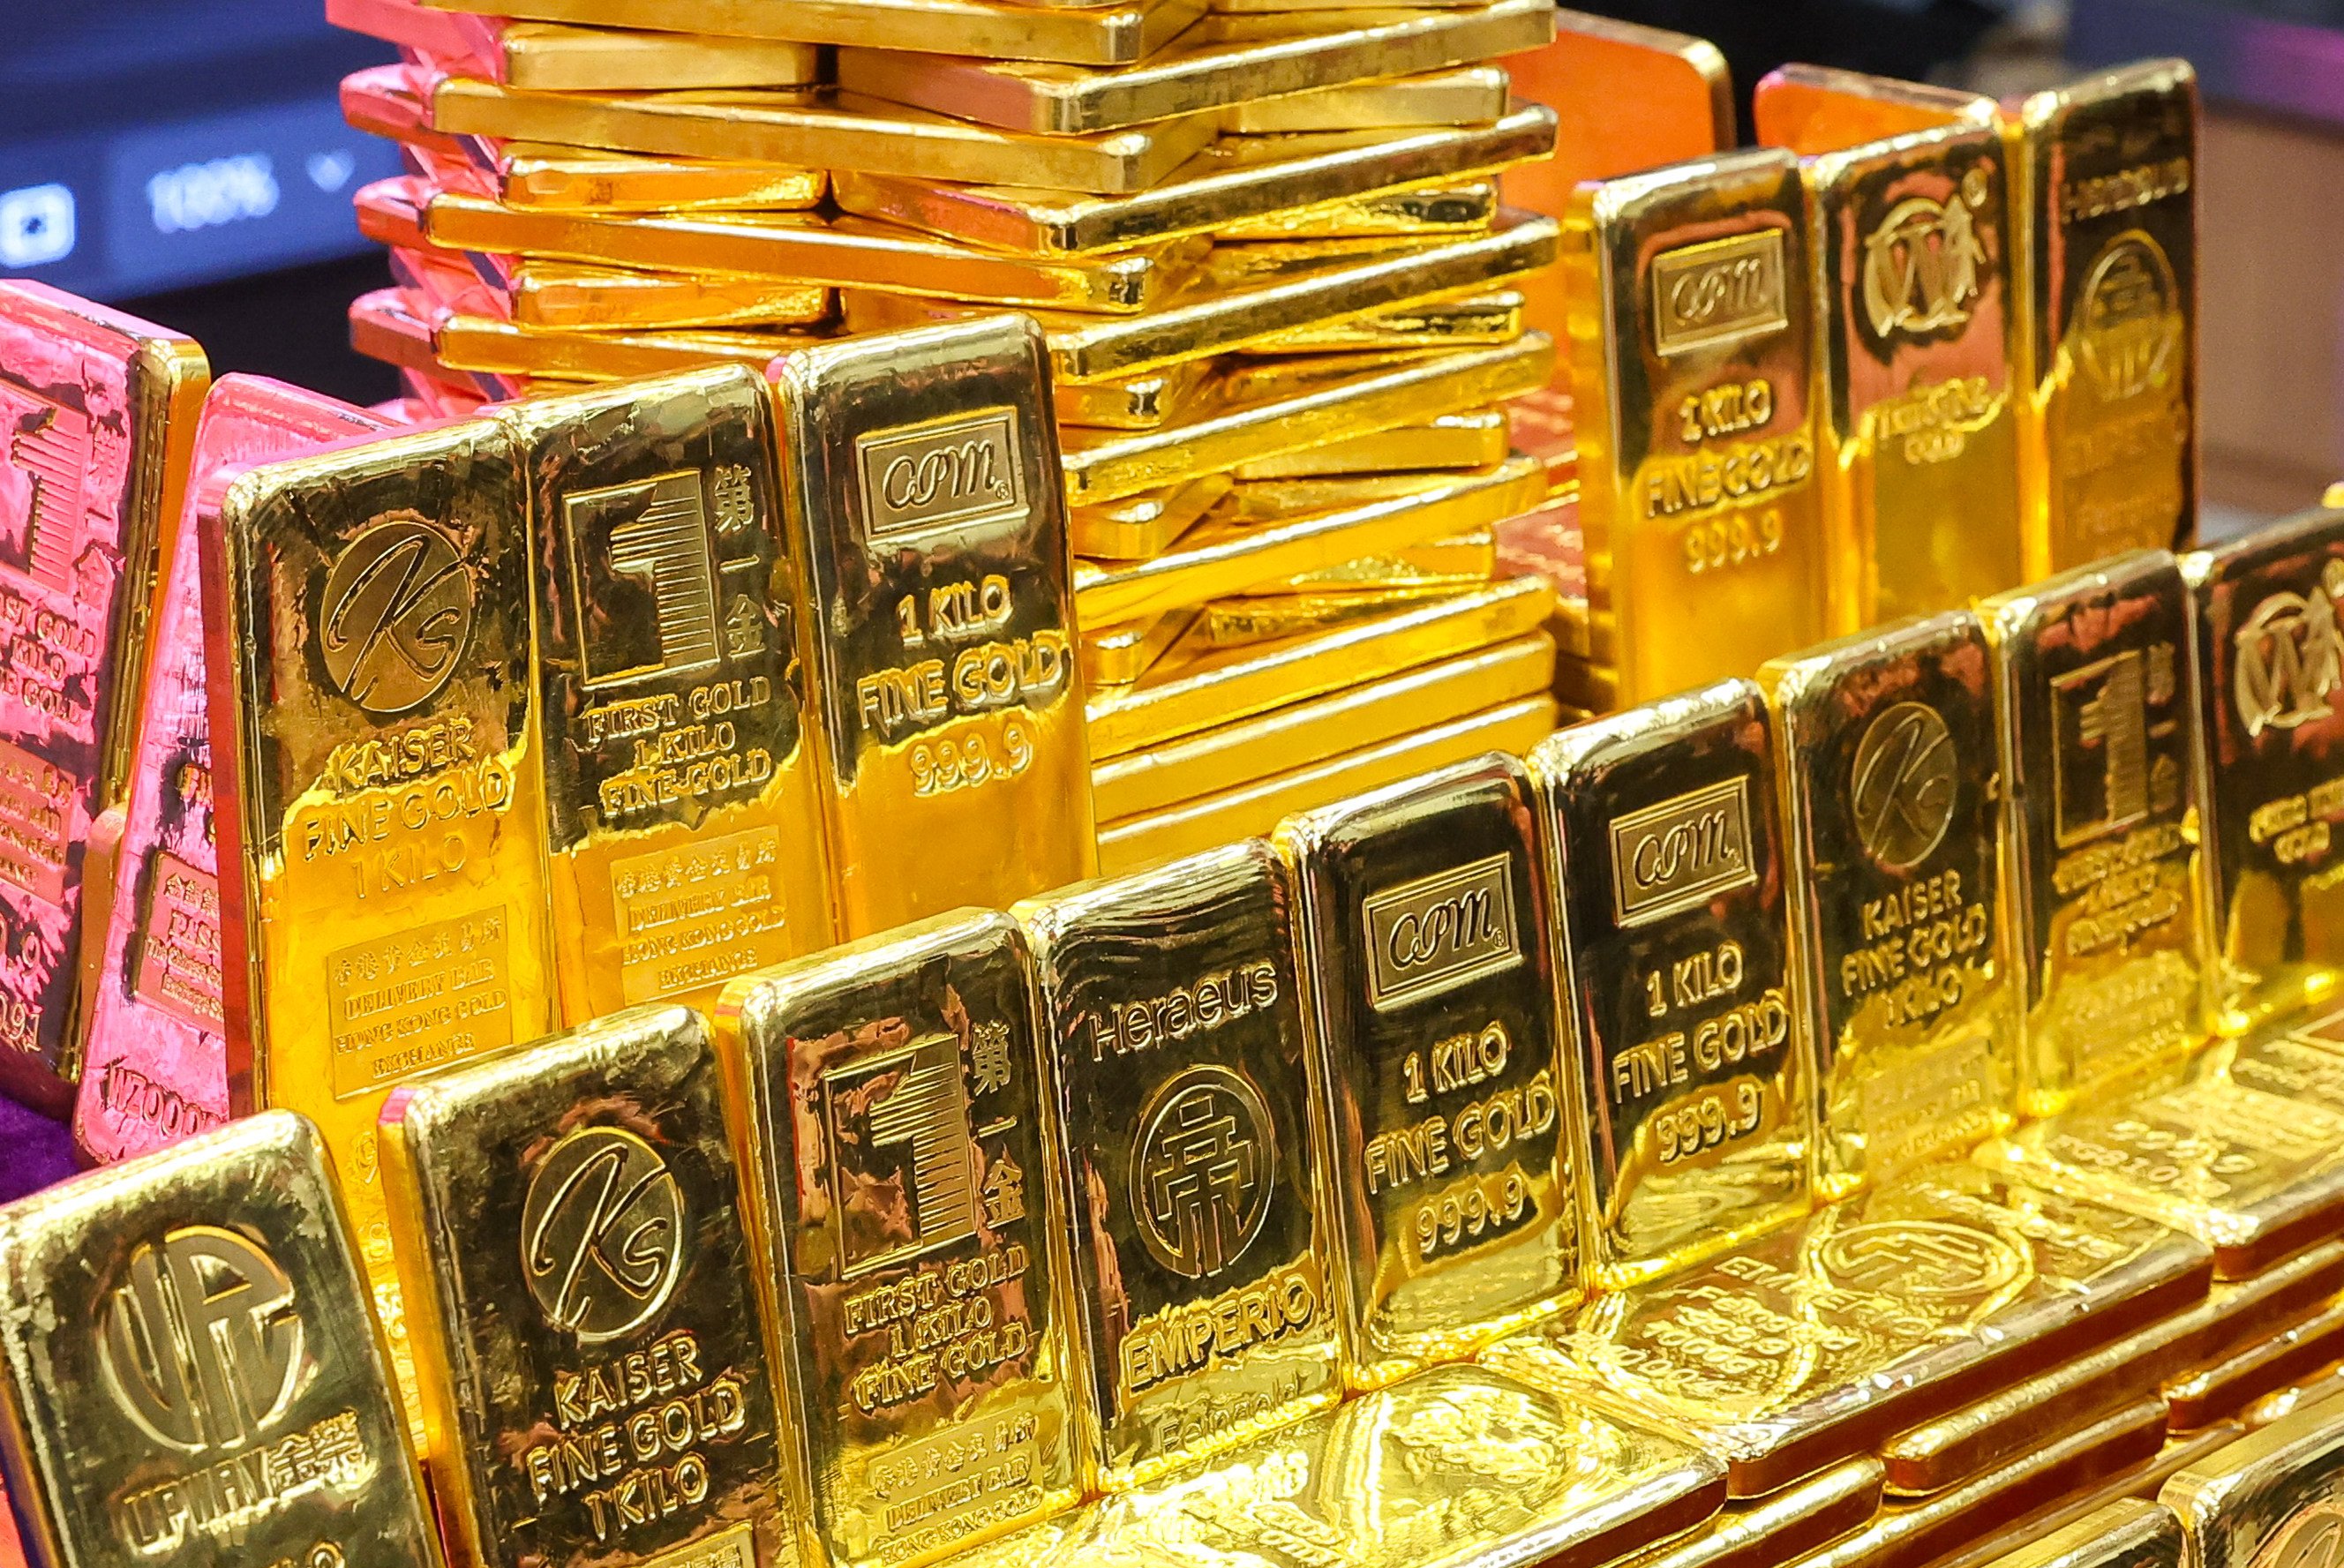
x: 1896, y: 108
x: 2130, y: 1533
x: 1451, y: 95
x: 2138, y: 1481
x: 2219, y: 1390
x: 2233, y: 1503
x: 1775, y: 1529
x: 2044, y: 110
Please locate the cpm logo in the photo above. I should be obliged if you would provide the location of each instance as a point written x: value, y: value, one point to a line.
x: 395, y: 614
x: 201, y: 1347
x: 2290, y: 658
x: 601, y: 1233
x: 958, y: 473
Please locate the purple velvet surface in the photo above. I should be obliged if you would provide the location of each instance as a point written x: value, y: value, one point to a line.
x: 34, y: 1151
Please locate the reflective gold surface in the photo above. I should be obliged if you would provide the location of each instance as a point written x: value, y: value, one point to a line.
x: 595, y: 1380
x: 2130, y: 1533
x: 2100, y: 835
x: 1118, y: 656
x: 1689, y: 1056
x: 1202, y: 1287
x: 1465, y: 95
x: 1201, y: 71
x: 1886, y: 747
x: 939, y: 630
x: 2317, y: 1388
x: 1817, y: 1340
x: 1477, y: 438
x: 1351, y: 179
x: 889, y: 1109
x: 2222, y: 1388
x: 1692, y: 348
x: 538, y: 175
x: 2268, y: 664
x: 1453, y: 322
x: 1262, y: 617
x: 1367, y: 714
x: 2269, y: 1499
x: 101, y: 409
x: 565, y: 294
x: 1424, y: 928
x: 2104, y: 173
x: 1138, y: 526
x: 192, y: 1371
x: 2139, y: 1479
x: 1181, y: 696
x: 1144, y: 402
x: 1432, y: 211
x: 1918, y: 419
x: 682, y: 807
x: 538, y: 56
x: 1769, y: 1530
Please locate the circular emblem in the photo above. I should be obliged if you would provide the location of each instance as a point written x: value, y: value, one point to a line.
x: 1902, y: 788
x: 397, y: 609
x: 1202, y: 1169
x: 2312, y: 1537
x: 2128, y: 333
x: 1921, y: 265
x: 201, y: 1345
x: 1920, y: 1259
x: 601, y: 1233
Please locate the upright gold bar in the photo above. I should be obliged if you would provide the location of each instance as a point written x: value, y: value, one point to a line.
x: 939, y: 625
x: 2269, y: 666
x: 1886, y: 747
x: 189, y: 1310
x: 1204, y: 1300
x: 1424, y: 932
x: 889, y: 1106
x: 2131, y: 1533
x: 377, y: 770
x: 1818, y: 109
x: 1692, y: 352
x: 2103, y: 183
x: 1917, y: 416
x: 2094, y: 670
x: 2272, y: 1498
x: 1664, y: 853
x: 578, y: 1279
x: 683, y: 816
x: 101, y: 412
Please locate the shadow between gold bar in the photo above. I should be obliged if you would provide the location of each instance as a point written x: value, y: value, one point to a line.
x: 2223, y: 1388
x: 1766, y: 1532
x: 593, y: 1368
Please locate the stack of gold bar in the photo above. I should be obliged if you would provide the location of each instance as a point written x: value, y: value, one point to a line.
x: 1286, y: 313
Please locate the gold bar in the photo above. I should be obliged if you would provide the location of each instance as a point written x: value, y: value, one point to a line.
x: 1431, y: 211
x: 1520, y: 1478
x: 1686, y: 1049
x: 1118, y: 656
x: 1108, y: 466
x: 1213, y: 560
x: 1473, y: 439
x: 2267, y: 677
x: 1196, y: 73
x: 155, y: 1069
x: 1899, y: 1304
x: 558, y: 178
x: 1886, y: 747
x: 2132, y: 1532
x: 1247, y: 379
x: 1115, y: 33
x: 1459, y: 321
x: 101, y: 410
x: 383, y: 889
x: 833, y: 131
x: 2093, y: 670
x: 578, y: 1277
x: 1260, y: 617
x: 1139, y: 526
x: 1357, y: 717
x: 682, y: 811
x: 1260, y: 261
x: 1226, y: 185
x: 1182, y: 696
x: 2103, y: 180
x: 1713, y: 380
x: 1463, y: 96
x: 2221, y: 1390
x: 537, y: 56
x: 1210, y: 320
x: 939, y: 623
x: 1772, y: 1530
x: 2131, y: 1485
x: 1916, y: 418
x: 1184, y: 1105
x: 2238, y: 1147
x: 193, y: 1303
x: 1818, y: 109
x: 804, y: 250
x: 480, y: 343
x: 1466, y: 559
x: 565, y: 294
x: 2318, y: 1389
x: 1282, y: 499
x: 1144, y: 402
x: 2272, y: 1498
x: 1433, y: 1026
x: 888, y: 1109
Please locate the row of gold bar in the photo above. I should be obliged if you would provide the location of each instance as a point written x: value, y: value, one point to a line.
x: 1497, y: 1099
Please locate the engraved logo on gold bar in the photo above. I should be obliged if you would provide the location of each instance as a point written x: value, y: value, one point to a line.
x: 1203, y: 1168
x: 899, y: 1139
x: 1719, y: 292
x: 1441, y: 932
x: 48, y: 457
x: 1903, y: 784
x: 647, y: 580
x: 2106, y: 779
x: 201, y: 1347
x: 1920, y: 1259
x: 396, y: 612
x: 2290, y: 657
x: 1681, y: 853
x: 2128, y: 330
x: 958, y: 473
x: 601, y: 1233
x: 179, y: 962
x: 1921, y: 265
